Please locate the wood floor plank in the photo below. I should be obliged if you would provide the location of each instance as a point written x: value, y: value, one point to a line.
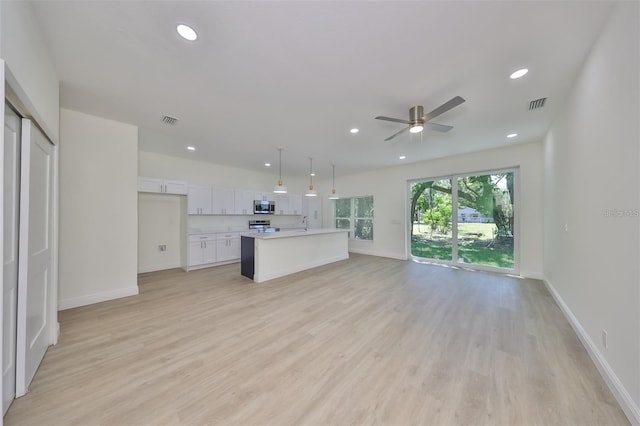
x: 364, y: 341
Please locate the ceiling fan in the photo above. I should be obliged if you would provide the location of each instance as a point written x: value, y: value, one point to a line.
x: 418, y: 121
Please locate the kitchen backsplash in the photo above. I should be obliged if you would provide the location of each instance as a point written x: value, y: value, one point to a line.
x: 241, y: 223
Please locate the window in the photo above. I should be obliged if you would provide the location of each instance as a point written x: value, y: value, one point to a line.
x: 356, y: 215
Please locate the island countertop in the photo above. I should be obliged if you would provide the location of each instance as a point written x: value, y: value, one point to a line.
x: 292, y: 233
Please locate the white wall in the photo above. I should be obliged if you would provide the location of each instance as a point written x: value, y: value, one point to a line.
x: 98, y: 209
x: 389, y: 189
x: 591, y: 165
x: 200, y: 172
x: 160, y: 222
x: 30, y: 72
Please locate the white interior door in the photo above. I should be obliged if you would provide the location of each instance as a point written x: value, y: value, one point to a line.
x: 35, y: 253
x: 11, y: 203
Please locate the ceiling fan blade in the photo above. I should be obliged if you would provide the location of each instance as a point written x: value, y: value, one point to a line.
x: 454, y: 102
x: 438, y: 127
x: 396, y: 134
x: 395, y: 120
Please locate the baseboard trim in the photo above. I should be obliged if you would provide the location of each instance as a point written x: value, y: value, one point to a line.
x: 90, y: 299
x: 378, y: 253
x: 532, y: 275
x: 628, y: 405
x: 160, y: 267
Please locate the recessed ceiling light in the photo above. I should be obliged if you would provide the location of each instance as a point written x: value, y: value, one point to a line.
x: 312, y: 174
x: 354, y: 130
x: 186, y: 32
x: 402, y: 157
x: 191, y: 148
x: 519, y: 73
x: 512, y: 135
x: 267, y: 164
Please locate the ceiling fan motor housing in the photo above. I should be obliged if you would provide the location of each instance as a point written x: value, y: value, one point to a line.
x: 415, y: 114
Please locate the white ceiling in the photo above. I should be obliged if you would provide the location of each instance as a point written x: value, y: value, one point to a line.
x: 300, y: 74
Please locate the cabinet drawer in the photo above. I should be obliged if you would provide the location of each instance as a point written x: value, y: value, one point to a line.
x: 202, y: 237
x: 228, y: 235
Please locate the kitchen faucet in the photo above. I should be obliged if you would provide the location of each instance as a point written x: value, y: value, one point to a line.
x: 306, y: 223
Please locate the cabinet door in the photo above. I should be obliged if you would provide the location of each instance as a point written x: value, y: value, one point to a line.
x: 264, y: 196
x: 282, y: 203
x: 195, y: 253
x: 209, y: 251
x: 234, y: 248
x: 313, y: 211
x: 228, y: 249
x: 222, y: 201
x: 199, y: 199
x: 295, y: 204
x: 243, y: 201
x: 223, y: 252
x: 147, y: 184
x: 175, y: 187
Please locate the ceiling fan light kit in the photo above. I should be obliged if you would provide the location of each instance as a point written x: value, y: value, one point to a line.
x: 418, y: 121
x: 416, y: 128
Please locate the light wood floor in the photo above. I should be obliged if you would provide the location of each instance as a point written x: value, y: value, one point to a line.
x: 364, y: 341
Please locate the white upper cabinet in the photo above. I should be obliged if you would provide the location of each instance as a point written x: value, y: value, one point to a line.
x: 312, y: 208
x: 264, y: 196
x: 281, y: 203
x: 199, y: 199
x: 161, y: 186
x: 288, y: 204
x: 295, y: 204
x: 244, y: 201
x: 223, y: 201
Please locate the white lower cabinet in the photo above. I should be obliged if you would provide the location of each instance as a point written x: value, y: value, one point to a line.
x: 228, y: 247
x: 208, y: 249
x: 202, y: 249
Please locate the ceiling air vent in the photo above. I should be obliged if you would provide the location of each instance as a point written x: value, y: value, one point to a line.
x: 538, y: 103
x: 169, y: 120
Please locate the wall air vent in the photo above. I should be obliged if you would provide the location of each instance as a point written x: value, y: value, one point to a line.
x: 538, y: 103
x: 169, y: 120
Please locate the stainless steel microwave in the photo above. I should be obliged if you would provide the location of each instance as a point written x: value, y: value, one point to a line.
x: 264, y: 207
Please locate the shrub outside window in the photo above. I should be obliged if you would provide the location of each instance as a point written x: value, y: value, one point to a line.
x: 356, y: 215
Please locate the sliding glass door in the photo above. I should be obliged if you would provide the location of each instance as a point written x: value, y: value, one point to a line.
x: 465, y: 219
x: 431, y: 233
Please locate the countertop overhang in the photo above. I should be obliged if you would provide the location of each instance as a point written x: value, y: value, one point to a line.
x: 292, y: 234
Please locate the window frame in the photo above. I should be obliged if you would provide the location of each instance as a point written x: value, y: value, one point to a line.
x: 352, y: 218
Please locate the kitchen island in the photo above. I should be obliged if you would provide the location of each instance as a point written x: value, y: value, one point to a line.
x: 266, y: 256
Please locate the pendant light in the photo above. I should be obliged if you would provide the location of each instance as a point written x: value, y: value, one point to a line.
x: 334, y: 195
x: 311, y: 192
x: 280, y: 188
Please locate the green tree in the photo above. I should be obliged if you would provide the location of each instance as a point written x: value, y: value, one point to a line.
x: 482, y: 192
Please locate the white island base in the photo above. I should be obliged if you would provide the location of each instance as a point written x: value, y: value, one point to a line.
x: 282, y: 253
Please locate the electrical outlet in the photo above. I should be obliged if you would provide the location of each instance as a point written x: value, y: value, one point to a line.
x: 605, y: 342
x: 566, y: 227
x: 162, y: 247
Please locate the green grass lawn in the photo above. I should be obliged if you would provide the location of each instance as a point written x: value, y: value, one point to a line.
x: 477, y: 245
